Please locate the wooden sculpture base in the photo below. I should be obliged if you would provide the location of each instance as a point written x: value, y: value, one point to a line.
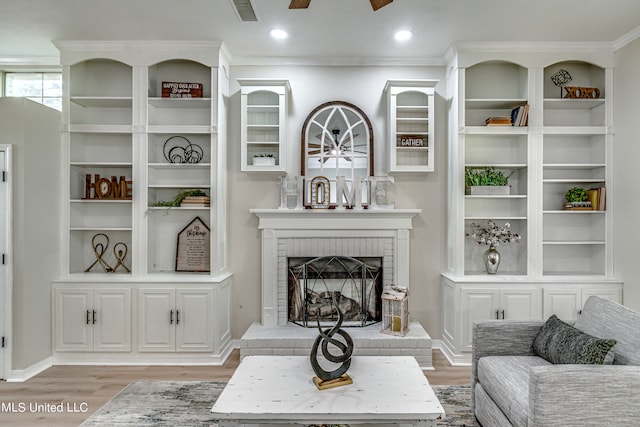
x: 323, y: 385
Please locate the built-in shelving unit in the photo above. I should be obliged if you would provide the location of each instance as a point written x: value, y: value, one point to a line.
x: 577, y: 140
x: 411, y: 120
x: 263, y: 119
x: 564, y: 255
x: 492, y: 89
x: 123, y: 136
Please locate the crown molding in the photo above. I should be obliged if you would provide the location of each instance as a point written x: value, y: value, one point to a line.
x: 13, y: 62
x: 335, y: 61
x: 630, y: 37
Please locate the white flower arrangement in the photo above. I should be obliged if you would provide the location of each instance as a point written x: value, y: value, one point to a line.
x: 493, y: 234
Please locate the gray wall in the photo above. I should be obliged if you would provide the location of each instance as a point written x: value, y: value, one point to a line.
x: 34, y: 131
x: 364, y: 87
x: 626, y: 158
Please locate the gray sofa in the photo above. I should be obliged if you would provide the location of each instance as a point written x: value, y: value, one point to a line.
x: 512, y: 386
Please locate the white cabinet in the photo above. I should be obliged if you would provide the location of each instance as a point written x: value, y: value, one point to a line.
x: 175, y: 320
x: 92, y: 319
x: 410, y: 123
x: 263, y: 122
x: 566, y: 302
x: 483, y: 301
x: 564, y: 255
x: 131, y: 150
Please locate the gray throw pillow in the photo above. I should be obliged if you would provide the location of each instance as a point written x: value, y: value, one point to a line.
x: 559, y: 342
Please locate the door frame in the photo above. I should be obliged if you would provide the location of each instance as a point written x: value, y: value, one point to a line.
x: 6, y: 270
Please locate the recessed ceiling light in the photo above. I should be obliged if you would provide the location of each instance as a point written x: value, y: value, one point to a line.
x: 278, y: 34
x: 403, y: 35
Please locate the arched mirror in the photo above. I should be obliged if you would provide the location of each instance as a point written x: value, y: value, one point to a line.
x: 337, y: 140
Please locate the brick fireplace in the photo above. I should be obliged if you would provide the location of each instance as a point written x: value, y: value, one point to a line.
x: 287, y: 233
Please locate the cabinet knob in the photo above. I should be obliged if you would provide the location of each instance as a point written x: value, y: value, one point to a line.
x: 177, y: 317
x: 94, y: 317
x: 171, y: 317
x: 88, y: 314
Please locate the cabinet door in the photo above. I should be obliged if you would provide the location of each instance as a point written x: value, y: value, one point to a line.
x: 73, y: 317
x: 112, y: 323
x: 477, y: 304
x: 611, y: 293
x: 194, y: 320
x: 564, y: 303
x: 156, y: 320
x: 520, y: 304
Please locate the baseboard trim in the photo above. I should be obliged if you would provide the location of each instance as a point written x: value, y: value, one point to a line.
x: 22, y: 375
x: 452, y: 358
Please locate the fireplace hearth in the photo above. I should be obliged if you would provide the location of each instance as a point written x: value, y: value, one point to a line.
x: 317, y: 287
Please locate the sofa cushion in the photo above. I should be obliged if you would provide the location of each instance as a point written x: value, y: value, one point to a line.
x: 559, y: 342
x: 506, y: 380
x: 606, y: 319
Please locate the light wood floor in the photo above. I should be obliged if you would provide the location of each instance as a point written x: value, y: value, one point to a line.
x: 86, y: 388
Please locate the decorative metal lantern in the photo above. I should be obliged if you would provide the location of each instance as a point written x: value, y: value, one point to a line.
x: 395, y: 310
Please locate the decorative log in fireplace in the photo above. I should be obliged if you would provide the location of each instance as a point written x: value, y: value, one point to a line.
x: 355, y: 284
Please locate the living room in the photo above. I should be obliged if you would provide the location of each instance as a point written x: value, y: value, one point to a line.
x: 336, y: 51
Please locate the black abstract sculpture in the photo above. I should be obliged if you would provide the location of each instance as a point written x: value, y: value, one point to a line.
x: 337, y: 376
x: 181, y: 150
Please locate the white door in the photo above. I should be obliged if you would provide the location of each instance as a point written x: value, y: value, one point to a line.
x: 5, y: 264
x: 477, y: 304
x: 194, y: 320
x: 156, y: 320
x: 112, y: 320
x: 564, y: 303
x: 73, y: 320
x: 520, y: 304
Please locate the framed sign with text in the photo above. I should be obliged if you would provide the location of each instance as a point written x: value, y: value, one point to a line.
x: 193, y: 249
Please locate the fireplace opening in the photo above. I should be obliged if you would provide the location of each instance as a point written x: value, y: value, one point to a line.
x: 317, y: 285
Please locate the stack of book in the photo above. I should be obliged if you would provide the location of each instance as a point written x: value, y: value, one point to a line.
x: 196, y: 202
x: 578, y: 206
x: 598, y: 198
x: 520, y: 115
x: 498, y: 121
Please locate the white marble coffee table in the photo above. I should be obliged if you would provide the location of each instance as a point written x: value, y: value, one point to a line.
x: 280, y: 390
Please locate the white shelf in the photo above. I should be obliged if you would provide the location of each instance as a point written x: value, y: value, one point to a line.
x: 508, y: 130
x: 494, y: 104
x: 159, y: 102
x: 103, y: 102
x: 572, y: 104
x: 179, y: 166
x: 263, y: 123
x: 410, y: 113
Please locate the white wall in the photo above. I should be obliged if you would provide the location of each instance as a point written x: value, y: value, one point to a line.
x: 626, y: 158
x: 310, y: 87
x: 34, y: 131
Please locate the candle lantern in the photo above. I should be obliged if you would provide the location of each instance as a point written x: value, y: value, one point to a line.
x: 395, y: 310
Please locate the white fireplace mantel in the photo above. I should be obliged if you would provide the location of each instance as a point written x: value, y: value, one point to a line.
x: 393, y: 224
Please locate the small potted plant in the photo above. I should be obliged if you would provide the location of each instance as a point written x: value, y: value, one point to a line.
x: 486, y: 181
x: 264, y: 159
x: 577, y: 198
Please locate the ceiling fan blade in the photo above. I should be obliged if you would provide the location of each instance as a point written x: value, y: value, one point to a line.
x: 377, y: 4
x: 299, y: 4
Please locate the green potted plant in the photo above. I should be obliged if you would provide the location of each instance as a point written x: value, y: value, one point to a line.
x: 264, y: 159
x: 486, y: 181
x: 577, y: 198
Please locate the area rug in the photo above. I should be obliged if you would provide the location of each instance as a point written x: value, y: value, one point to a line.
x: 188, y: 404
